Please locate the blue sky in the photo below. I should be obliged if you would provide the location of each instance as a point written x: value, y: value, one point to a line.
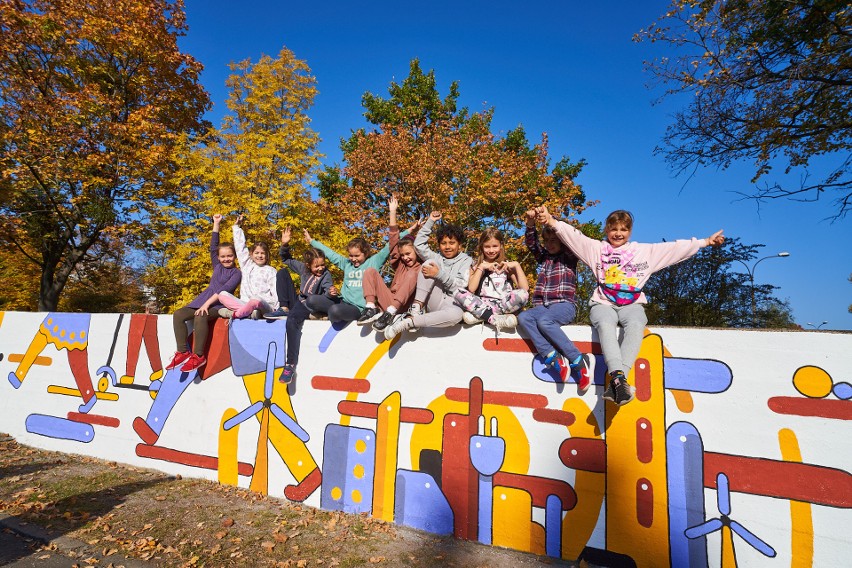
x: 566, y: 68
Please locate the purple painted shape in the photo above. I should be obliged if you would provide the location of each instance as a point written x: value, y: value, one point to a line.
x: 487, y: 453
x: 685, y: 477
x: 332, y: 332
x: 553, y: 527
x: 249, y: 341
x: 61, y: 428
x: 420, y: 503
x: 697, y: 375
x: 843, y: 391
x: 341, y: 460
x: 171, y: 388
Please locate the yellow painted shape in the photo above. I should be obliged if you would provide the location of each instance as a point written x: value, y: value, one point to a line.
x: 293, y: 452
x: 380, y: 351
x: 813, y: 382
x: 387, y: 450
x: 729, y: 557
x: 228, y: 442
x: 260, y: 477
x: 513, y: 527
x: 624, y: 533
x: 579, y: 523
x: 37, y: 345
x: 56, y: 389
x: 40, y: 360
x: 430, y: 436
x: 801, y: 514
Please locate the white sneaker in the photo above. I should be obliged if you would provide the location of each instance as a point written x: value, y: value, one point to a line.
x: 398, y: 327
x: 470, y: 319
x: 226, y: 313
x: 413, y: 310
x: 505, y: 321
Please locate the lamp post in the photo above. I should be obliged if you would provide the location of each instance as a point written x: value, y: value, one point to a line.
x: 817, y: 327
x: 750, y: 271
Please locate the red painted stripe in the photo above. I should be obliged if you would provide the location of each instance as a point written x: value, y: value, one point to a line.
x: 511, y: 345
x: 786, y: 480
x: 186, y: 458
x: 644, y: 440
x: 838, y: 409
x: 515, y: 399
x: 642, y: 376
x: 644, y: 502
x: 321, y: 382
x: 552, y: 416
x: 371, y: 410
x: 539, y: 488
x: 96, y: 419
x: 584, y: 454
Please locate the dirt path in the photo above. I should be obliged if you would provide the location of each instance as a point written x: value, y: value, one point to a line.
x: 114, y: 509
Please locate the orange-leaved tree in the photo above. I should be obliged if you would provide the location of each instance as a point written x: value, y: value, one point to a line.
x: 93, y: 98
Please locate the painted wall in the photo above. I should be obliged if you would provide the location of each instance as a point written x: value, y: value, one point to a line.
x: 737, y: 450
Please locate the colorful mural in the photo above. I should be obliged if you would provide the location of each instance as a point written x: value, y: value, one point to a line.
x: 736, y: 451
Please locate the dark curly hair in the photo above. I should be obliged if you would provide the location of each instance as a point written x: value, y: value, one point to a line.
x: 451, y: 231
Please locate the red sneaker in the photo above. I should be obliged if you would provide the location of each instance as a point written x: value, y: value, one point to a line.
x: 580, y: 370
x: 194, y: 362
x: 179, y: 358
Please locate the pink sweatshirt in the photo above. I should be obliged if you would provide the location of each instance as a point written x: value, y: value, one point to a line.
x: 622, y: 272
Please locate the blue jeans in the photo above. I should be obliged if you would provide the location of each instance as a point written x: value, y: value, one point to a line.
x: 543, y: 325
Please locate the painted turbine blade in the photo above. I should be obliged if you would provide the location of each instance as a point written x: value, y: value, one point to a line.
x: 243, y: 416
x: 703, y: 529
x: 289, y: 423
x: 723, y: 494
x: 270, y: 370
x: 753, y: 540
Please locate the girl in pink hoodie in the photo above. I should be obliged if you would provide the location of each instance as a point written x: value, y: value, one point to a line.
x: 621, y: 268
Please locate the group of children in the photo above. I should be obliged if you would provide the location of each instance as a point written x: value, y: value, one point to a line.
x: 445, y: 287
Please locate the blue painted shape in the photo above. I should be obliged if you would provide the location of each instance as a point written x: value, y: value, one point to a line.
x: 243, y: 415
x: 332, y: 332
x: 685, y: 473
x: 486, y: 506
x: 288, y: 422
x: 843, y: 391
x: 421, y: 504
x: 61, y: 428
x: 14, y: 380
x: 553, y: 527
x: 249, y: 341
x: 696, y: 375
x: 340, y: 459
x: 487, y: 453
x: 173, y: 384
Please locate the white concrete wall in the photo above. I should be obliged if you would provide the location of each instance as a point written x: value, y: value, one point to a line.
x: 391, y: 429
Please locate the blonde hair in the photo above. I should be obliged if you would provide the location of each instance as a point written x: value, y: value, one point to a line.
x: 619, y: 217
x: 487, y: 235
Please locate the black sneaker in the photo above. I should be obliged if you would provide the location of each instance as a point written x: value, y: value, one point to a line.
x: 623, y: 392
x: 369, y: 315
x: 609, y: 393
x: 383, y: 322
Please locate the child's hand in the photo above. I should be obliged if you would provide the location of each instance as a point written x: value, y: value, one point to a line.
x: 308, y: 238
x: 217, y: 218
x: 392, y: 203
x: 333, y: 291
x: 530, y: 217
x: 202, y: 311
x: 435, y: 216
x: 717, y: 239
x: 543, y: 216
x: 416, y: 226
x: 430, y: 270
x: 285, y: 236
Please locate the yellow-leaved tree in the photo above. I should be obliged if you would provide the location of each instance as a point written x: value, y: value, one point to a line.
x: 258, y: 163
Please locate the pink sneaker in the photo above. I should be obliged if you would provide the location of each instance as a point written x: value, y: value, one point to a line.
x: 194, y: 362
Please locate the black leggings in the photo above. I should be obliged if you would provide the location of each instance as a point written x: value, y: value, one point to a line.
x: 201, y: 328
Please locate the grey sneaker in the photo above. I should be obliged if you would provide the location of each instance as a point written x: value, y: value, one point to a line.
x: 504, y: 321
x: 399, y: 326
x: 470, y: 319
x: 384, y: 321
x: 226, y: 313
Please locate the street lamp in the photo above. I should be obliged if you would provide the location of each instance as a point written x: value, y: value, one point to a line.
x: 817, y: 326
x: 751, y: 270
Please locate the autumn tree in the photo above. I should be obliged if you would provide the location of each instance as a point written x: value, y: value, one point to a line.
x: 260, y: 162
x: 707, y: 290
x: 434, y: 155
x: 94, y: 96
x: 768, y: 82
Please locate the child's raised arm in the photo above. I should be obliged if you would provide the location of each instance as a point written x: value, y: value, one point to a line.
x: 240, y: 242
x: 214, y: 240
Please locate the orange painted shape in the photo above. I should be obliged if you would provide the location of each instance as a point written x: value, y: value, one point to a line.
x: 342, y: 384
x: 96, y: 419
x: 186, y: 458
x: 499, y: 398
x: 553, y: 416
x: 39, y: 360
x: 512, y: 345
x: 371, y: 410
x: 683, y: 400
x: 228, y: 442
x: 260, y: 479
x: 801, y: 513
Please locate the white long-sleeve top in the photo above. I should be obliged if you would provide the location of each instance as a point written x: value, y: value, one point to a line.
x: 258, y: 281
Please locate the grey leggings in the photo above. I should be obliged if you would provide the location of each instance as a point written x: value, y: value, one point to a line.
x: 606, y: 319
x: 441, y: 311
